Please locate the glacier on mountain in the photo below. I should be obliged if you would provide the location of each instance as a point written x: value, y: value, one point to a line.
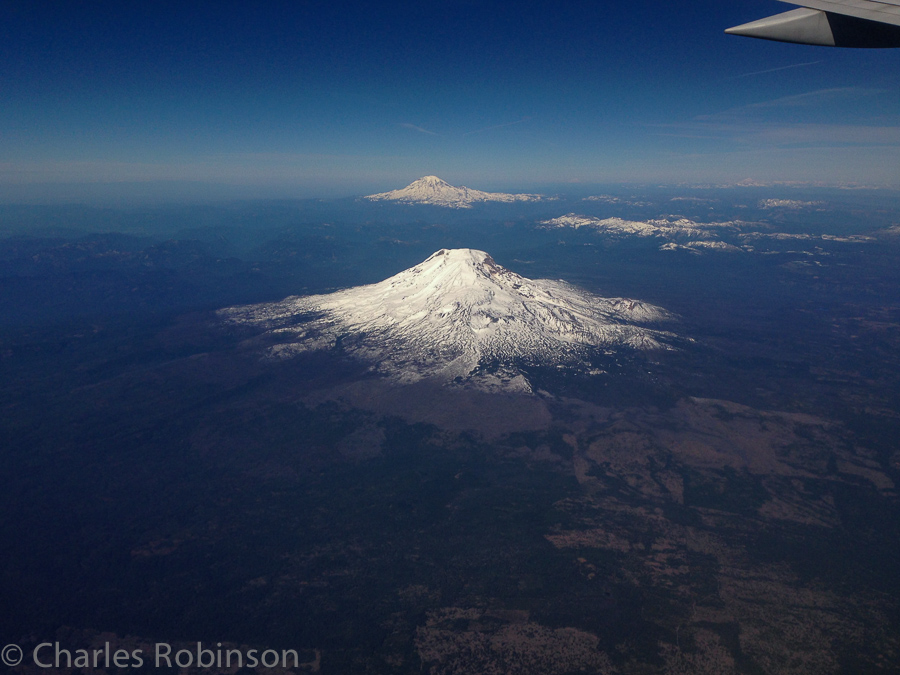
x: 458, y: 316
x: 432, y: 190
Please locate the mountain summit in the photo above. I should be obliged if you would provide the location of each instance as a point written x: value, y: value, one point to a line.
x: 433, y: 190
x: 453, y: 314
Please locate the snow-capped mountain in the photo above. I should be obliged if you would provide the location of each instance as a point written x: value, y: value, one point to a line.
x: 433, y: 190
x: 454, y: 312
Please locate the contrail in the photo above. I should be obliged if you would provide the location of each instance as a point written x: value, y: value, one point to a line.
x: 775, y: 70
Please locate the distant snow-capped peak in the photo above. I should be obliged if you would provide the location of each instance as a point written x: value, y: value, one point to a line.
x: 433, y: 190
x: 454, y: 312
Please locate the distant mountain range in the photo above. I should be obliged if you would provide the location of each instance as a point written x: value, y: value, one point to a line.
x: 432, y: 190
x: 454, y: 314
x: 687, y: 235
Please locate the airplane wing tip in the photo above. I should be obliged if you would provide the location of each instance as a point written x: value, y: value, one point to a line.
x: 830, y: 23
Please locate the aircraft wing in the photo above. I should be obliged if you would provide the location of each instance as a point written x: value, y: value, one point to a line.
x: 831, y: 23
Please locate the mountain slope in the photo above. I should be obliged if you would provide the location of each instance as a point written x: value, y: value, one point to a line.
x: 432, y: 190
x: 454, y: 312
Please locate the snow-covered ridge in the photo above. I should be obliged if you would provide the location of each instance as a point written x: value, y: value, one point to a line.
x: 789, y: 204
x: 454, y: 312
x: 433, y: 190
x: 683, y: 234
x: 697, y: 247
x: 658, y: 227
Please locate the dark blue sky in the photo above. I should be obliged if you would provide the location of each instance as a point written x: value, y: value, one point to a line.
x: 311, y: 98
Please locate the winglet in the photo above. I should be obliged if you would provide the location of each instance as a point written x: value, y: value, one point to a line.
x: 801, y: 26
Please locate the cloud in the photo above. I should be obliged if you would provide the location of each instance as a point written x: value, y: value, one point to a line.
x: 820, y: 101
x: 497, y: 126
x: 238, y: 168
x: 832, y: 118
x: 824, y: 118
x: 407, y: 125
x: 818, y: 97
x: 843, y: 166
x: 785, y: 134
x: 829, y: 135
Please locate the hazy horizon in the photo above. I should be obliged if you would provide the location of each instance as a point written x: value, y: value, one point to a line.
x: 339, y: 99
